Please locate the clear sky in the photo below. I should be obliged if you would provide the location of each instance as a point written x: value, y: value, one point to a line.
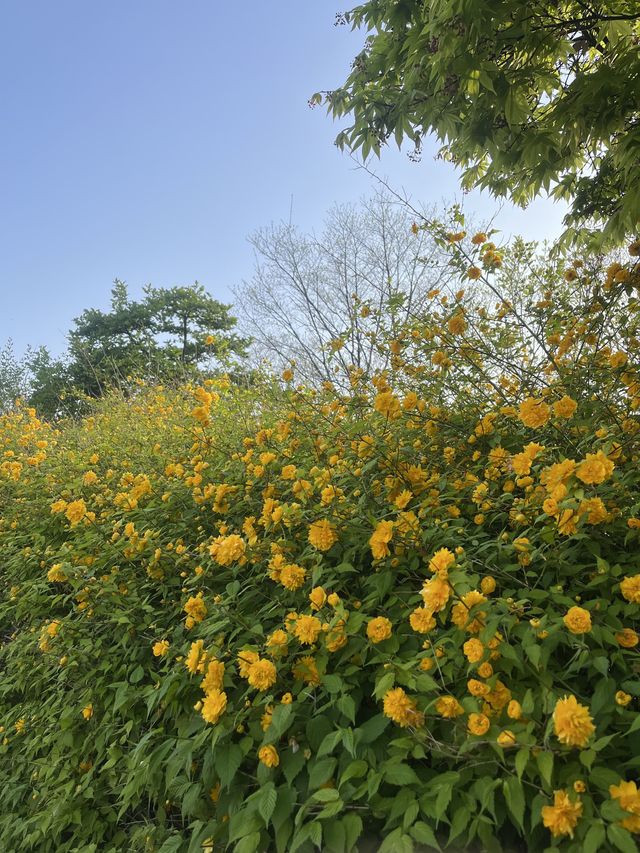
x: 145, y: 139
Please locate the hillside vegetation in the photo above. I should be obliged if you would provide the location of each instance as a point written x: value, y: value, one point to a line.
x: 276, y: 617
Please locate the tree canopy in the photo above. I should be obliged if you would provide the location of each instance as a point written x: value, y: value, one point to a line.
x: 525, y: 97
x: 168, y: 332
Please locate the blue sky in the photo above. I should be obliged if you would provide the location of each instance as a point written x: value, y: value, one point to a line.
x: 145, y: 139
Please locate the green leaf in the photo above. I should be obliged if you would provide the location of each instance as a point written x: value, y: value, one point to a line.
x: 442, y: 801
x: 514, y: 797
x: 353, y: 829
x: 137, y: 675
x: 347, y: 706
x: 521, y: 760
x: 621, y: 839
x: 267, y: 800
x: 321, y: 771
x: 397, y: 842
x: 384, y: 683
x: 400, y: 774
x: 594, y: 838
x: 228, y: 760
x: 249, y: 844
x: 355, y: 770
x: 373, y: 728
x: 544, y: 760
x: 516, y: 107
x: 280, y: 721
x: 326, y: 795
x: 423, y: 834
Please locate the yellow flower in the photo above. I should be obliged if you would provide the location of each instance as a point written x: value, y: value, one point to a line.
x: 306, y: 670
x: 160, y: 648
x: 627, y: 638
x: 403, y: 499
x: 336, y: 637
x: 213, y: 706
x: 289, y: 472
x: 630, y: 589
x: 245, y: 658
x: 577, y: 620
x: 534, y: 412
x: 474, y: 273
x: 387, y: 404
x: 565, y: 407
x: 262, y: 674
x: 478, y: 724
x: 402, y: 709
x: 488, y: 585
x: 477, y: 688
x: 322, y: 535
x: 449, y: 707
x: 474, y: 650
x: 435, y: 594
x: 623, y: 698
x: 594, y: 509
x: 268, y: 755
x: 460, y: 613
x: 227, y: 549
x: 562, y: 817
x: 595, y: 468
x: 628, y: 797
x: 196, y: 657
x: 514, y: 710
x: 317, y: 597
x: 76, y: 511
x: 441, y: 561
x: 292, y: 576
x: 457, y: 324
x: 506, y: 739
x: 287, y: 699
x: 380, y: 538
x: 307, y: 629
x: 87, y: 711
x: 277, y: 642
x: 214, y: 793
x: 378, y: 629
x: 572, y: 722
x: 214, y: 676
x: 56, y: 574
x: 579, y: 786
x: 421, y: 620
x: 196, y: 610
x: 89, y: 478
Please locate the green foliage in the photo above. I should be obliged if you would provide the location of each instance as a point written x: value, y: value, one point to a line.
x: 166, y: 335
x: 526, y: 98
x: 219, y: 607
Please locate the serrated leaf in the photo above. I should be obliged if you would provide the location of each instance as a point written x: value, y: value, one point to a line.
x: 423, y: 834
x: 514, y: 797
x: 544, y: 760
x: 267, y: 802
x: 594, y: 838
x: 400, y: 774
x: 521, y: 760
x: 621, y: 839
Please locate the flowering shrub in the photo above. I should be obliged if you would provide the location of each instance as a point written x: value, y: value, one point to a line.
x: 279, y: 618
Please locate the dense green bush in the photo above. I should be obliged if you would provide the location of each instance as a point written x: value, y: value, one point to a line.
x: 272, y: 619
